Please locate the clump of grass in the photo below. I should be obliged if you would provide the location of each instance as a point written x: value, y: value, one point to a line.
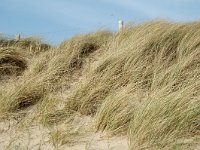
x: 60, y: 136
x: 32, y: 45
x: 35, y: 45
x: 165, y: 118
x: 48, y: 70
x: 12, y: 62
x: 153, y: 57
x: 115, y: 113
x: 126, y: 62
x: 49, y: 110
x: 21, y: 95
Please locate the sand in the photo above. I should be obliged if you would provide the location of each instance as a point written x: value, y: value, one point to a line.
x: 37, y: 137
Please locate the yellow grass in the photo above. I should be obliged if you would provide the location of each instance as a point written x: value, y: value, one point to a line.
x: 142, y: 82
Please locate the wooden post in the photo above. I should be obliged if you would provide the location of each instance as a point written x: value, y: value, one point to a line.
x: 31, y: 48
x: 121, y: 25
x: 18, y: 37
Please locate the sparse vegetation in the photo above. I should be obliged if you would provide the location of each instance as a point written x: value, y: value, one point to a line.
x: 142, y: 82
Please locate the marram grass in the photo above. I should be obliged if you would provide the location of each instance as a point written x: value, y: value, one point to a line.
x: 142, y: 82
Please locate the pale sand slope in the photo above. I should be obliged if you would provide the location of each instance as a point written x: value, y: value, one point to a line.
x: 79, y: 135
x: 36, y: 137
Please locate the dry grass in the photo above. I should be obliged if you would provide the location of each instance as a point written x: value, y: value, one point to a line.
x: 32, y: 45
x: 47, y: 72
x: 12, y: 62
x: 143, y: 82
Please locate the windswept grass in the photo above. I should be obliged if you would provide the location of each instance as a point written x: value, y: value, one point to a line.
x: 31, y: 44
x: 12, y: 62
x: 142, y: 82
x: 47, y: 72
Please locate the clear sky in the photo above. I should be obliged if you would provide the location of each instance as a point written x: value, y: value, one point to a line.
x: 57, y: 20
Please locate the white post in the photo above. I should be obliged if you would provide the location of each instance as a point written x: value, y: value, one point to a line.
x: 18, y: 37
x: 121, y: 25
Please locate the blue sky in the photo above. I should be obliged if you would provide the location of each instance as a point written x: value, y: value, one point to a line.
x: 57, y: 20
